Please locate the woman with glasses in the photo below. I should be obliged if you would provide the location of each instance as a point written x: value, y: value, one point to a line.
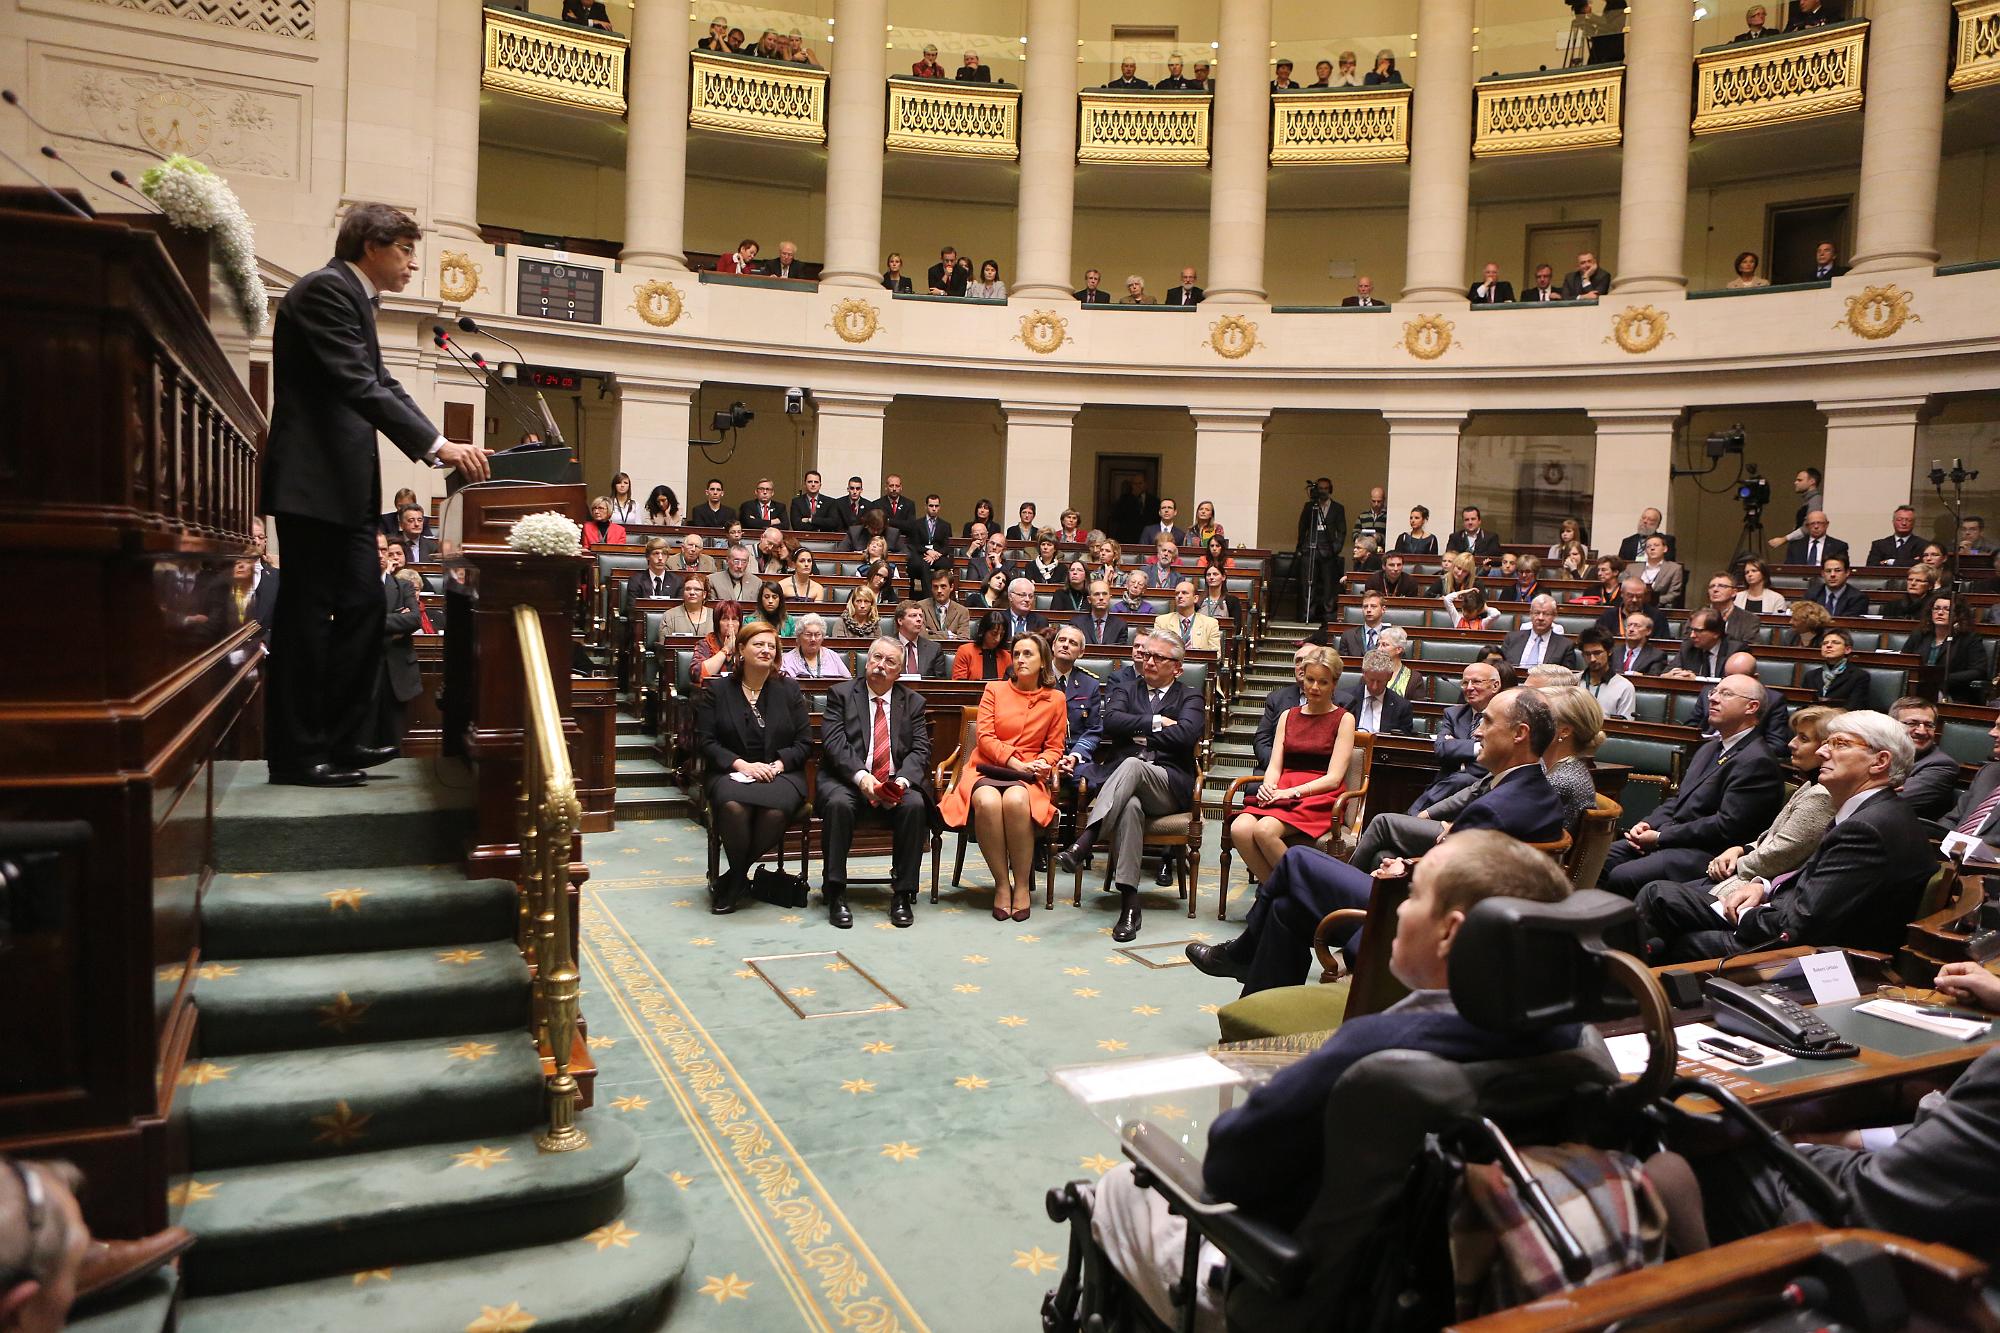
x: 809, y: 658
x: 753, y: 730
x: 1965, y: 671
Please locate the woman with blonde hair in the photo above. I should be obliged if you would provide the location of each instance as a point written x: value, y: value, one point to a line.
x: 1205, y: 525
x: 1459, y: 572
x: 1579, y: 731
x: 1308, y: 770
x: 861, y: 618
x: 602, y: 529
x: 1810, y: 621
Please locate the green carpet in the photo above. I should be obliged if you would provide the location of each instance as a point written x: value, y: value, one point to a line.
x: 410, y: 812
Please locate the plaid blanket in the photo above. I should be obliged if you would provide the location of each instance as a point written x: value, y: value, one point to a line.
x: 1500, y: 1257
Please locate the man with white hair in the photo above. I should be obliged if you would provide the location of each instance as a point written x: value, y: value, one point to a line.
x: 1634, y: 546
x: 1860, y: 888
x: 1539, y: 641
x: 1022, y: 617
x: 734, y: 582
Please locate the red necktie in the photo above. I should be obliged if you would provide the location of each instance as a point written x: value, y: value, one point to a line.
x: 881, y: 767
x: 909, y: 658
x: 1630, y: 653
x: 1980, y: 814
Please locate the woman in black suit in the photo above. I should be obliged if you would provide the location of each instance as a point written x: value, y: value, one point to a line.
x: 1965, y: 675
x: 894, y: 279
x: 752, y: 727
x: 981, y: 513
x: 1838, y: 681
x: 1417, y: 541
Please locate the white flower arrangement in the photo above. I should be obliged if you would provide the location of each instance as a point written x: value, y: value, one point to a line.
x: 545, y: 534
x: 196, y: 199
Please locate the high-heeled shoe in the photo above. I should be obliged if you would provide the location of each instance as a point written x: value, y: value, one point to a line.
x: 999, y: 912
x: 1020, y: 914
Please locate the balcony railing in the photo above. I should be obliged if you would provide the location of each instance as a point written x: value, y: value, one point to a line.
x: 954, y: 119
x: 1978, y: 47
x: 562, y: 63
x: 1341, y: 125
x: 758, y: 97
x: 1549, y: 111
x: 1813, y: 73
x: 1148, y: 129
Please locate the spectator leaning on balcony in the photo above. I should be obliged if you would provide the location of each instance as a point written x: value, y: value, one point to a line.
x: 1544, y: 289
x: 928, y: 67
x: 972, y: 71
x: 1826, y: 259
x: 1491, y: 289
x: 1753, y: 25
x: 1128, y: 76
x: 1324, y: 69
x: 1201, y: 80
x: 787, y: 261
x: 1808, y: 14
x: 1587, y: 282
x: 742, y: 260
x: 1283, y: 81
x: 1135, y: 292
x: 1385, y: 70
x: 590, y: 13
x: 1175, y: 81
x: 989, y: 287
x: 718, y: 36
x: 1187, y: 293
x: 948, y: 276
x: 798, y: 52
x: 893, y: 278
x: 1364, y: 293
x: 1746, y: 262
x: 1091, y: 293
x: 1347, y: 76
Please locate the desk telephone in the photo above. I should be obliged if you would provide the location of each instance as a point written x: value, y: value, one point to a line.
x: 1773, y: 1020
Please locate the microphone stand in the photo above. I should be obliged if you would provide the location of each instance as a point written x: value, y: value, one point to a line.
x: 467, y: 323
x: 477, y: 369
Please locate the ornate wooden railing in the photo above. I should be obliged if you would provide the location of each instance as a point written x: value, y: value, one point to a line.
x: 954, y: 119
x: 1813, y: 73
x: 1548, y: 112
x: 563, y: 63
x: 1341, y: 125
x: 1148, y: 129
x: 760, y: 97
x: 1977, y: 51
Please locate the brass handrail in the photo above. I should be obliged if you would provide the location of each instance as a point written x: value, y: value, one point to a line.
x: 549, y: 814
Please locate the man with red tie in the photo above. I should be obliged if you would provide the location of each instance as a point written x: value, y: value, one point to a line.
x: 762, y: 512
x: 853, y: 506
x: 875, y: 766
x: 813, y: 512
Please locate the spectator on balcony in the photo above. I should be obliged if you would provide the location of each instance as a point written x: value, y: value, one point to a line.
x: 989, y: 287
x: 769, y: 47
x: 1746, y: 263
x: 1754, y: 19
x: 1544, y: 289
x: 589, y: 13
x: 1176, y: 82
x: 740, y: 261
x: 1826, y: 259
x: 1347, y: 76
x: 1128, y: 77
x: 1283, y: 82
x: 1808, y: 14
x: 718, y: 36
x: 1491, y: 289
x: 1364, y: 293
x: 798, y: 52
x: 1187, y: 293
x: 1324, y: 69
x: 736, y: 40
x: 948, y: 275
x: 1201, y: 80
x: 1135, y: 292
x: 893, y: 278
x: 786, y: 267
x: 1385, y: 70
x: 972, y: 71
x: 1587, y: 282
x: 1091, y: 293
x: 928, y: 67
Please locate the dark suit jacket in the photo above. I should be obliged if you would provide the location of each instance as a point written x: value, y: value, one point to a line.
x: 264, y: 601
x: 1723, y: 800
x: 1521, y: 803
x: 1356, y: 300
x: 1775, y: 726
x: 848, y: 715
x: 984, y: 74
x: 952, y: 284
x: 1983, y: 783
x: 1178, y: 297
x: 1628, y: 550
x: 1503, y: 292
x: 1575, y: 284
x: 1691, y: 658
x: 1561, y: 650
x: 1860, y: 889
x: 1082, y: 696
x: 399, y: 656
x: 703, y: 516
x: 926, y: 531
x: 1795, y: 551
x: 898, y: 510
x: 1397, y: 715
x: 1848, y: 689
x: 640, y: 585
x: 1032, y: 623
x: 932, y: 662
x: 1134, y: 82
x: 1017, y: 533
x: 417, y: 550
x: 1116, y: 631
x: 1089, y: 297
x: 1485, y: 545
x: 1456, y: 749
x: 1151, y: 533
x: 1932, y: 786
x: 330, y: 396
x: 1650, y: 662
x: 1128, y: 720
x: 1276, y: 704
x: 725, y: 734
x: 826, y: 519
x: 1353, y: 641
x: 1403, y: 585
x: 757, y: 516
x: 1964, y: 667
x: 1894, y: 550
x: 1541, y: 295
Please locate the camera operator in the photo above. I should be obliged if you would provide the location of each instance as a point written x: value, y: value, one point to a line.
x: 1322, y: 538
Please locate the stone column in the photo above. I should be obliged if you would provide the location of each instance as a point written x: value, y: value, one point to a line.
x: 1871, y: 459
x: 1652, y: 199
x: 1423, y: 466
x: 1229, y: 467
x: 656, y: 133
x: 655, y: 423
x: 855, y: 94
x: 849, y: 431
x: 1241, y: 165
x: 1902, y: 135
x: 1038, y: 457
x: 1440, y: 153
x: 1045, y: 214
x: 455, y: 121
x: 1635, y: 458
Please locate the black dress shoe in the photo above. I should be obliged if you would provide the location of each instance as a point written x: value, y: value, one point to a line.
x: 728, y: 894
x: 1165, y: 877
x: 1074, y: 857
x: 1127, y: 928
x: 1216, y: 961
x: 899, y: 910
x: 317, y: 775
x: 366, y: 756
x: 837, y: 913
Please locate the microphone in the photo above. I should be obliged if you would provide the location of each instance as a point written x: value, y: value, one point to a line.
x: 555, y: 435
x: 467, y: 361
x: 8, y: 96
x: 51, y: 190
x: 121, y: 179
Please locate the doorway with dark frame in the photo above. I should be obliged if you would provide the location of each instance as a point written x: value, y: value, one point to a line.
x: 1127, y: 495
x: 1793, y: 232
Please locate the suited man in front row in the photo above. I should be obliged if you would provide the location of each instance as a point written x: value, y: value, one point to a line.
x: 1457, y: 748
x: 1491, y: 289
x: 1813, y: 546
x: 873, y: 734
x: 1099, y: 627
x: 1902, y: 546
x: 1859, y: 890
x: 1728, y: 795
x: 323, y: 481
x: 1144, y: 767
x: 656, y: 580
x: 1375, y: 706
x: 1539, y: 642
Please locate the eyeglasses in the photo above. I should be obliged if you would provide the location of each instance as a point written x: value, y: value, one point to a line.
x: 1146, y: 655
x: 1845, y: 743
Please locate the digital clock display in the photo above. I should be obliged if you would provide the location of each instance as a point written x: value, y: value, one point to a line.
x: 561, y: 291
x: 551, y: 377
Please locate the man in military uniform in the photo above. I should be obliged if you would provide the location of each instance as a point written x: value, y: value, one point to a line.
x: 1081, y: 689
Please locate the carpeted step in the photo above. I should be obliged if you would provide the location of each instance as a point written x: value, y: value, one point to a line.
x: 609, y: 1281
x: 344, y: 911
x: 410, y: 812
x: 147, y: 1306
x: 355, y: 1099
x: 290, y: 1221
x: 642, y: 772
x: 651, y: 803
x: 276, y: 1004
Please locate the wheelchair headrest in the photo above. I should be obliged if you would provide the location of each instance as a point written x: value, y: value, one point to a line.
x: 1518, y: 966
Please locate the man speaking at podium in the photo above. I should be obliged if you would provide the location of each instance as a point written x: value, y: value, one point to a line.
x: 322, y: 481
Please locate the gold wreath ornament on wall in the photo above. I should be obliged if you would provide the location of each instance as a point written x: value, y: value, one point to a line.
x: 1233, y: 336
x: 458, y: 277
x: 855, y: 320
x: 658, y: 303
x: 1428, y: 337
x: 1043, y: 331
x: 1638, y: 328
x: 1878, y: 312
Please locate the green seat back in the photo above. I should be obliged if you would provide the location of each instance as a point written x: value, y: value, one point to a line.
x: 1445, y: 689
x: 1684, y: 706
x: 1406, y: 616
x: 1885, y: 686
x: 1444, y: 650
x: 1967, y: 742
x: 1641, y: 754
x: 1775, y: 671
x: 1650, y: 705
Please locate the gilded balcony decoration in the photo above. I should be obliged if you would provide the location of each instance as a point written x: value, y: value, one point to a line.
x: 1341, y: 125
x: 572, y: 66
x: 1977, y: 60
x: 1548, y: 111
x: 954, y: 119
x: 760, y: 97
x: 1148, y: 129
x: 1813, y: 73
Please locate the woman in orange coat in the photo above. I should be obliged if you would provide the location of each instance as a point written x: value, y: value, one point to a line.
x: 1023, y: 727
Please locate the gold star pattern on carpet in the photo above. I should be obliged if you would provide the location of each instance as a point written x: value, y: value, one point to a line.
x: 802, y: 992
x: 1097, y: 1162
x: 885, y: 925
x: 1076, y: 971
x: 348, y: 898
x: 971, y: 1083
x: 1168, y: 1111
x: 191, y: 1191
x: 1118, y: 960
x: 839, y: 965
x: 878, y: 1048
x: 632, y: 1103
x: 791, y: 918
x: 681, y: 1179
x: 1210, y: 1008
x: 510, y: 1318
x: 343, y: 1015
x: 602, y: 1043
x: 341, y: 1126
x: 460, y: 957
x: 952, y: 911
x: 965, y: 988
x: 472, y: 1052
x: 203, y: 1074
x: 481, y: 1158
x: 367, y: 1275
x: 701, y: 941
x: 1036, y: 1261
x: 214, y: 971
x: 1111, y: 1044
x: 856, y: 1086
x: 1104, y: 930
x: 1028, y: 939
x: 1013, y: 1021
x: 617, y: 1233
x: 730, y: 1288
x: 683, y: 902
x: 747, y: 973
x: 900, y: 1152
x: 881, y: 1006
x: 172, y: 973
x: 1085, y: 993
x: 975, y: 959
x: 1146, y: 1010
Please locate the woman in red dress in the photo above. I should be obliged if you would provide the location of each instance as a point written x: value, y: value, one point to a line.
x: 1307, y: 773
